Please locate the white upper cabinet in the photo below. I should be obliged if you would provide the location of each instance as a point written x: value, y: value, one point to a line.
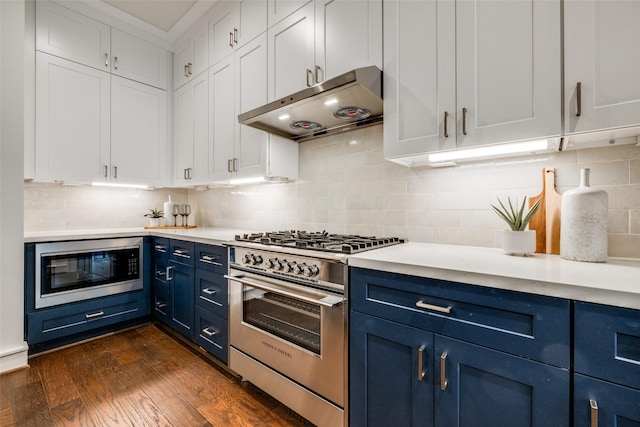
x: 239, y: 84
x: 191, y: 55
x: 234, y: 24
x: 601, y: 63
x: 291, y: 54
x: 348, y: 35
x: 191, y: 142
x: 67, y: 34
x: 468, y: 73
x: 72, y: 121
x: 280, y: 9
x: 138, y: 60
x: 138, y: 132
x: 322, y: 40
x: 73, y: 36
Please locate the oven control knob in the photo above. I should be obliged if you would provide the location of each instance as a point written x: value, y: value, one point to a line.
x: 290, y: 267
x: 272, y: 262
x: 256, y: 260
x: 311, y: 271
x: 247, y: 258
x: 280, y: 264
x: 300, y: 268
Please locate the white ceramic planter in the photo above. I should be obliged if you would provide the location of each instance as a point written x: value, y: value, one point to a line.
x: 154, y: 222
x: 521, y: 243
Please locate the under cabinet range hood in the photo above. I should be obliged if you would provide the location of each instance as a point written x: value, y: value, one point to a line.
x: 349, y: 101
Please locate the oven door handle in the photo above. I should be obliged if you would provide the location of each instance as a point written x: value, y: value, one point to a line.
x: 326, y: 300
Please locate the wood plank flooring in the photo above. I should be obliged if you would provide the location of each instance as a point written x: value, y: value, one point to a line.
x: 140, y: 377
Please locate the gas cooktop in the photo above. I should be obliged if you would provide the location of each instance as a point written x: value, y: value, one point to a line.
x: 319, y: 241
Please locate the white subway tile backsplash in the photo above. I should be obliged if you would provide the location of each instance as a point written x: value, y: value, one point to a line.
x: 345, y: 186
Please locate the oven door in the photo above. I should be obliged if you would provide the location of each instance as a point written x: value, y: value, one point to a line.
x: 295, y: 330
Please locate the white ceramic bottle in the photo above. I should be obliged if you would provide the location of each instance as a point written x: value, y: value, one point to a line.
x: 583, y: 222
x: 167, y: 208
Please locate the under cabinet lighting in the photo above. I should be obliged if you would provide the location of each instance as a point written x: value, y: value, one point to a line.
x: 534, y: 146
x: 118, y: 185
x: 251, y: 180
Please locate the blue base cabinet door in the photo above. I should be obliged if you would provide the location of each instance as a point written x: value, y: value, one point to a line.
x: 392, y: 375
x: 183, y: 296
x: 604, y: 404
x: 479, y: 387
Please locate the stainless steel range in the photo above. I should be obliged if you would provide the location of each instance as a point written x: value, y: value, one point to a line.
x: 288, y: 317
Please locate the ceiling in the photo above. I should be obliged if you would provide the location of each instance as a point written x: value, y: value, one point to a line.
x: 162, y: 14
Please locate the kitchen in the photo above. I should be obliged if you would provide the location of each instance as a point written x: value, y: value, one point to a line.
x: 344, y: 186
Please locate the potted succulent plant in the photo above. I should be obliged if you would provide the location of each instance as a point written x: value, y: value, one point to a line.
x: 154, y: 216
x: 517, y: 240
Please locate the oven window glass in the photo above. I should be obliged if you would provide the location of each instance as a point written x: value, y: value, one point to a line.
x: 83, y: 270
x: 290, y: 319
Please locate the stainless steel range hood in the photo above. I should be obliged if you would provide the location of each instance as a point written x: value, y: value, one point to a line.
x: 349, y: 101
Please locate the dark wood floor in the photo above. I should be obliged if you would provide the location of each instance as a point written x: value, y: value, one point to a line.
x: 140, y: 377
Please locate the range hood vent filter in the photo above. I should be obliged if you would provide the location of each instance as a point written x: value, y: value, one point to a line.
x: 349, y: 101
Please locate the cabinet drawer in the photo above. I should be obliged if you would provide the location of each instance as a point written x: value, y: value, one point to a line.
x: 160, y: 249
x: 181, y: 252
x: 62, y: 321
x: 212, y: 292
x: 527, y: 325
x: 211, y: 257
x: 607, y: 343
x: 161, y: 304
x: 212, y: 333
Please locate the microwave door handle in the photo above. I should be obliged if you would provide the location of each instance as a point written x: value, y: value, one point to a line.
x: 325, y: 300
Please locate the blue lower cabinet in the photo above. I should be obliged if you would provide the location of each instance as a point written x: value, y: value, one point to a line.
x: 181, y: 287
x: 212, y: 333
x: 479, y: 387
x: 604, y: 404
x: 390, y: 372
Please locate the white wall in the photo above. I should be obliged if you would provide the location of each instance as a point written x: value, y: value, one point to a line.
x: 346, y: 186
x: 13, y: 349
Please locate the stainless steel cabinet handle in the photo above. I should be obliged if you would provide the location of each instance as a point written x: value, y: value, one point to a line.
x: 235, y: 35
x: 235, y: 164
x: 446, y: 119
x: 93, y: 315
x: 168, y: 269
x: 160, y: 248
x: 115, y: 172
x: 421, y: 372
x: 209, y: 260
x: 309, y: 80
x: 160, y: 273
x: 186, y: 70
x: 464, y: 120
x: 161, y: 305
x: 209, y: 291
x: 208, y: 332
x: 229, y: 161
x: 421, y: 304
x: 578, y: 99
x: 231, y: 39
x: 106, y: 59
x: 189, y: 69
x: 317, y: 76
x: 115, y: 62
x: 106, y: 171
x: 443, y: 374
x: 594, y: 412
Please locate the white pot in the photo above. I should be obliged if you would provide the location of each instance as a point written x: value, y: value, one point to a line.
x: 154, y: 222
x: 520, y: 243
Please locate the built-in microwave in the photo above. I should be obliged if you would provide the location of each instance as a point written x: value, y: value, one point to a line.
x: 80, y: 270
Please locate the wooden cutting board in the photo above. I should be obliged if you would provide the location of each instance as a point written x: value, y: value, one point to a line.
x: 546, y: 221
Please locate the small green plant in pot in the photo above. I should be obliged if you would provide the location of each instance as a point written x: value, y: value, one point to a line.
x: 518, y: 240
x: 154, y: 216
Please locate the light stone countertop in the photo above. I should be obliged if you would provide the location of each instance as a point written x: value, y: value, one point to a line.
x: 616, y: 282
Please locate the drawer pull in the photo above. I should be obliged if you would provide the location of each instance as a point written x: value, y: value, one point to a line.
x: 443, y: 374
x: 208, y: 332
x: 594, y: 412
x: 161, y: 305
x: 168, y: 269
x: 209, y: 291
x: 421, y: 372
x: 178, y: 252
x: 160, y: 248
x: 94, y: 315
x: 421, y: 304
x: 209, y: 260
x: 160, y: 273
